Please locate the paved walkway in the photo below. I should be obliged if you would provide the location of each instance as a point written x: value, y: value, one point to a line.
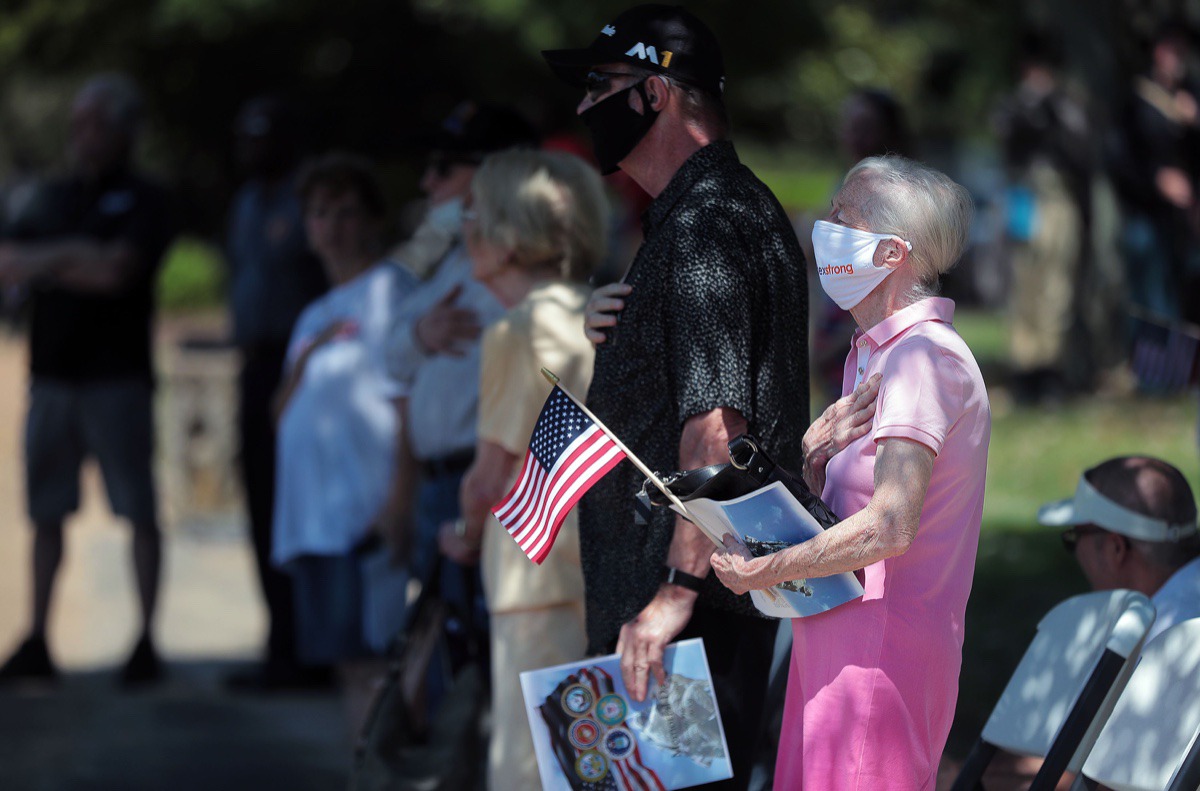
x: 185, y: 734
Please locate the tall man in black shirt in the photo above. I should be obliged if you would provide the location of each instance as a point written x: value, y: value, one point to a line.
x: 88, y: 249
x: 704, y: 339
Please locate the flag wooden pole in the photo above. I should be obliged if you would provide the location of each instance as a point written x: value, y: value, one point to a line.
x: 662, y: 487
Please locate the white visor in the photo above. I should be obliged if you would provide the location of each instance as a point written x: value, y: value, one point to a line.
x: 1088, y: 506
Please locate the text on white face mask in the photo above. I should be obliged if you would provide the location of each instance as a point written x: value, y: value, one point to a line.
x: 845, y: 259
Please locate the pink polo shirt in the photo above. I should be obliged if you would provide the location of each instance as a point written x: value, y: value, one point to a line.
x: 873, y: 683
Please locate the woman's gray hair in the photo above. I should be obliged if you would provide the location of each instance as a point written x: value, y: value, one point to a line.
x: 548, y: 207
x: 919, y: 204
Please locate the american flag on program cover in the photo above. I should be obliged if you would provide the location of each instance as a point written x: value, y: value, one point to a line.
x: 567, y: 454
x: 629, y: 772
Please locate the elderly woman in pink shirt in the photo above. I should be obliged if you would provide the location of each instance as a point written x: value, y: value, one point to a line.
x: 873, y: 682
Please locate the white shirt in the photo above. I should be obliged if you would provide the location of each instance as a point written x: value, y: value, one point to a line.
x: 337, y: 437
x: 1178, y: 599
x: 443, y: 390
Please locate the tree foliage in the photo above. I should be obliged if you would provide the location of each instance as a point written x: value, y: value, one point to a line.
x: 372, y: 72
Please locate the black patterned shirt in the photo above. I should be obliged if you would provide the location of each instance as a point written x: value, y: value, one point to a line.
x: 717, y: 318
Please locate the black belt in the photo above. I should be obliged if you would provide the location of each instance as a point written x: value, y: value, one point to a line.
x: 453, y: 464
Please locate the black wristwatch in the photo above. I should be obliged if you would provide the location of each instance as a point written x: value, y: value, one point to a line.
x: 673, y: 576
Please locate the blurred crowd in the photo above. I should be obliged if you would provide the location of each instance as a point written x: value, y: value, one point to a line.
x: 384, y: 389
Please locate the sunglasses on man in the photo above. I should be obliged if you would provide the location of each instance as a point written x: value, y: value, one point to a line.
x: 597, y: 83
x: 1070, y: 536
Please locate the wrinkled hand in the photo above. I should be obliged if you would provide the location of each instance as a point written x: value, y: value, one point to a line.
x: 736, y: 568
x: 844, y: 421
x: 644, y: 639
x: 463, y: 550
x: 602, y: 310
x: 445, y: 326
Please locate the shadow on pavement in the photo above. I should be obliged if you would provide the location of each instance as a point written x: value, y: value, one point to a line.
x: 184, y: 734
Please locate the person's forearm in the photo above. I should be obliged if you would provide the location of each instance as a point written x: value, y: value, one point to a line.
x: 407, y: 473
x: 865, y: 538
x: 886, y: 527
x: 484, y: 484
x: 78, y: 263
x: 705, y: 441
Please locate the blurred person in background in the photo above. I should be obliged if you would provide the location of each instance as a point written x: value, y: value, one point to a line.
x: 873, y: 123
x: 434, y: 348
x: 536, y: 227
x: 272, y: 276
x: 1155, y: 172
x: 88, y: 246
x: 337, y: 424
x: 1044, y: 132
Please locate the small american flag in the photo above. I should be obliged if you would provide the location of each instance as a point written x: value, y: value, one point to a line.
x: 567, y: 454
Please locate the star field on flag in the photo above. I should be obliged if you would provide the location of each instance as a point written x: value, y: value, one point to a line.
x: 568, y: 453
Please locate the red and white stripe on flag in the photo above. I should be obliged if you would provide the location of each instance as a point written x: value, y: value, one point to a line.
x: 568, y: 453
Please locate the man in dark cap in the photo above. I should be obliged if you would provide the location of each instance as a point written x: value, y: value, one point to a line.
x: 273, y: 276
x: 702, y: 340
x: 88, y: 248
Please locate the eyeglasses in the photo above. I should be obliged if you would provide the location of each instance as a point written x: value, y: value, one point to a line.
x: 1070, y: 536
x: 598, y: 83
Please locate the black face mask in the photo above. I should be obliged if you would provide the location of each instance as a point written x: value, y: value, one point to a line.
x: 616, y: 127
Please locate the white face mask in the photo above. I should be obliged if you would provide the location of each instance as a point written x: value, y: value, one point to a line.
x: 446, y: 216
x: 846, y: 261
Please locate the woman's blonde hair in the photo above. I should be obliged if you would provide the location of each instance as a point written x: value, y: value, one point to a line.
x: 548, y: 207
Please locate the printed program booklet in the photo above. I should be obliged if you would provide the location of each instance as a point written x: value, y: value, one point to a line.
x: 589, y: 734
x: 768, y: 520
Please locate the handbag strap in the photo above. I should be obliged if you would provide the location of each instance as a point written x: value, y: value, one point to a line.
x: 746, y: 453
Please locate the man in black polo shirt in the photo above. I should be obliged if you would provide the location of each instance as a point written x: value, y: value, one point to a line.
x: 703, y: 340
x: 88, y: 250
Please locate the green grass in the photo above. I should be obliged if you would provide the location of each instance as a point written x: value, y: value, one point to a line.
x: 1036, y: 455
x: 192, y: 276
x: 986, y: 334
x: 799, y: 181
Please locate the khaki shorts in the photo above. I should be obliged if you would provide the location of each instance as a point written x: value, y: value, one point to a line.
x: 111, y: 422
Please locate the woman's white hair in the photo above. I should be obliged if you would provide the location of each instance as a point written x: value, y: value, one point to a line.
x: 548, y: 207
x: 919, y: 204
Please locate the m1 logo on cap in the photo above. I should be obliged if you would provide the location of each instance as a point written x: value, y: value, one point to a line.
x: 609, y: 30
x: 647, y: 53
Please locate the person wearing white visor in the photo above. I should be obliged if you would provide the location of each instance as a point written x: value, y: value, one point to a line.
x: 1132, y: 524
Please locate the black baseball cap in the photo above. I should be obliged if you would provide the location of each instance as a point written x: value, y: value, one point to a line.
x: 473, y: 130
x: 666, y: 39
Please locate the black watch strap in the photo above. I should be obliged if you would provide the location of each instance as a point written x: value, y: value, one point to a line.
x: 673, y: 576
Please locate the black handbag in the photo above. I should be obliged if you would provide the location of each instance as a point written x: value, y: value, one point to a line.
x: 401, y: 747
x: 749, y: 468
